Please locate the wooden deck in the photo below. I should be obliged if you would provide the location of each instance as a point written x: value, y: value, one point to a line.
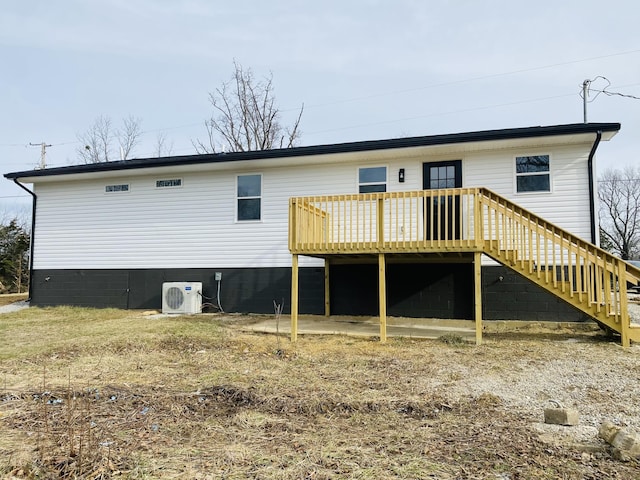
x: 467, y: 222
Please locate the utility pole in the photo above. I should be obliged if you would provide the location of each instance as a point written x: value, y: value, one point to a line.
x: 585, y: 92
x: 43, y: 153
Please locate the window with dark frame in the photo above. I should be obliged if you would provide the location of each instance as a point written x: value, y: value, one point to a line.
x: 249, y: 197
x: 169, y: 183
x: 442, y: 176
x: 532, y: 174
x: 124, y: 187
x: 372, y: 179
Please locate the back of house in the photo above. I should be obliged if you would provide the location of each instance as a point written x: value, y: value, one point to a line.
x: 111, y: 234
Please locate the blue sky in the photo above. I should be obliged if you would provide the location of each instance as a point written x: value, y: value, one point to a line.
x: 364, y: 69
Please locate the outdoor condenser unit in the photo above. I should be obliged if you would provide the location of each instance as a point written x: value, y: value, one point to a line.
x: 182, y: 297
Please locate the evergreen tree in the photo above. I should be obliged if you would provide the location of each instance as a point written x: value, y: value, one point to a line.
x: 14, y: 257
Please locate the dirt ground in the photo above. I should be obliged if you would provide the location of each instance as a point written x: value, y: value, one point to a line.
x: 121, y: 395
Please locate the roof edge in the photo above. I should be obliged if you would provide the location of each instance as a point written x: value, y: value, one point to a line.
x: 360, y: 146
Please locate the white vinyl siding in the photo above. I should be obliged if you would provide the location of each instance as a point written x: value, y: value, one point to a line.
x: 78, y: 226
x: 567, y: 206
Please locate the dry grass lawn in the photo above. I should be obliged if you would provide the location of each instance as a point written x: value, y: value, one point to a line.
x: 115, y: 394
x: 9, y: 298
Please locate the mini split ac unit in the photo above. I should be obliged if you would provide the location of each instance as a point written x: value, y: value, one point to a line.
x: 182, y: 297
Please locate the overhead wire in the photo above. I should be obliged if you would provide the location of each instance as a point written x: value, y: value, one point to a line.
x: 604, y: 90
x: 471, y: 79
x: 397, y: 92
x: 451, y: 112
x: 611, y: 94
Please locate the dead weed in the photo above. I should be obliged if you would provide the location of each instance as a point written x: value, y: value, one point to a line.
x: 195, y: 398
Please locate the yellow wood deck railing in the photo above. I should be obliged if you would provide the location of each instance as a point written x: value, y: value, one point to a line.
x: 469, y: 220
x: 416, y: 221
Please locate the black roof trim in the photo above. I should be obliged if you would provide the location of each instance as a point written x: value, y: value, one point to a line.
x: 362, y: 146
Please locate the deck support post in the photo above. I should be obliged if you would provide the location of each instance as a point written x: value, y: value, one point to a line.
x: 624, y: 307
x: 327, y: 299
x: 294, y: 297
x: 477, y: 282
x: 382, y: 295
x: 478, y: 221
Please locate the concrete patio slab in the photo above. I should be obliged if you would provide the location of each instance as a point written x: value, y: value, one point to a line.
x: 368, y: 327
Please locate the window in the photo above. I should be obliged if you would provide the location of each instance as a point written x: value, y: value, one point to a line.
x: 442, y: 176
x: 372, y: 179
x: 169, y: 183
x: 249, y: 197
x: 116, y: 188
x: 532, y: 174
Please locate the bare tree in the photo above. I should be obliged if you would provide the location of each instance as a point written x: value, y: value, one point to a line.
x: 245, y: 117
x: 98, y: 142
x: 163, y: 148
x: 18, y: 212
x: 128, y: 136
x: 619, y: 195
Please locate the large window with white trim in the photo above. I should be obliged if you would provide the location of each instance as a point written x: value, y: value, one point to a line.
x: 532, y: 174
x: 249, y: 199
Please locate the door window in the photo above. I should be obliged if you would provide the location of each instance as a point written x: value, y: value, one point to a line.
x: 442, y: 176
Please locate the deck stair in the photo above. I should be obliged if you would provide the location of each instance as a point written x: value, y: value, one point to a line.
x: 585, y: 276
x: 469, y: 220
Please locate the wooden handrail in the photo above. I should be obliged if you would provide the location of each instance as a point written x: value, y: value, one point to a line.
x: 597, y: 279
x: 632, y: 273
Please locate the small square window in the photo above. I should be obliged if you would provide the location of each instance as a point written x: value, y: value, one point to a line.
x: 249, y: 209
x: 372, y: 179
x: 532, y: 174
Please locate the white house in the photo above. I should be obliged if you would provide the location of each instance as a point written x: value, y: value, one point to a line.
x: 110, y: 234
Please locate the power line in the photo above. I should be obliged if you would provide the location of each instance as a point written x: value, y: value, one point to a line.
x: 437, y: 114
x: 622, y: 180
x: 611, y: 94
x: 396, y: 92
x: 471, y: 79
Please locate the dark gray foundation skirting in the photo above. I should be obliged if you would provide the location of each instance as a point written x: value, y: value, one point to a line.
x: 413, y: 290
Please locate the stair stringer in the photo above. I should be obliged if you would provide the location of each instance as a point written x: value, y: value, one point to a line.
x: 605, y: 320
x: 592, y: 280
